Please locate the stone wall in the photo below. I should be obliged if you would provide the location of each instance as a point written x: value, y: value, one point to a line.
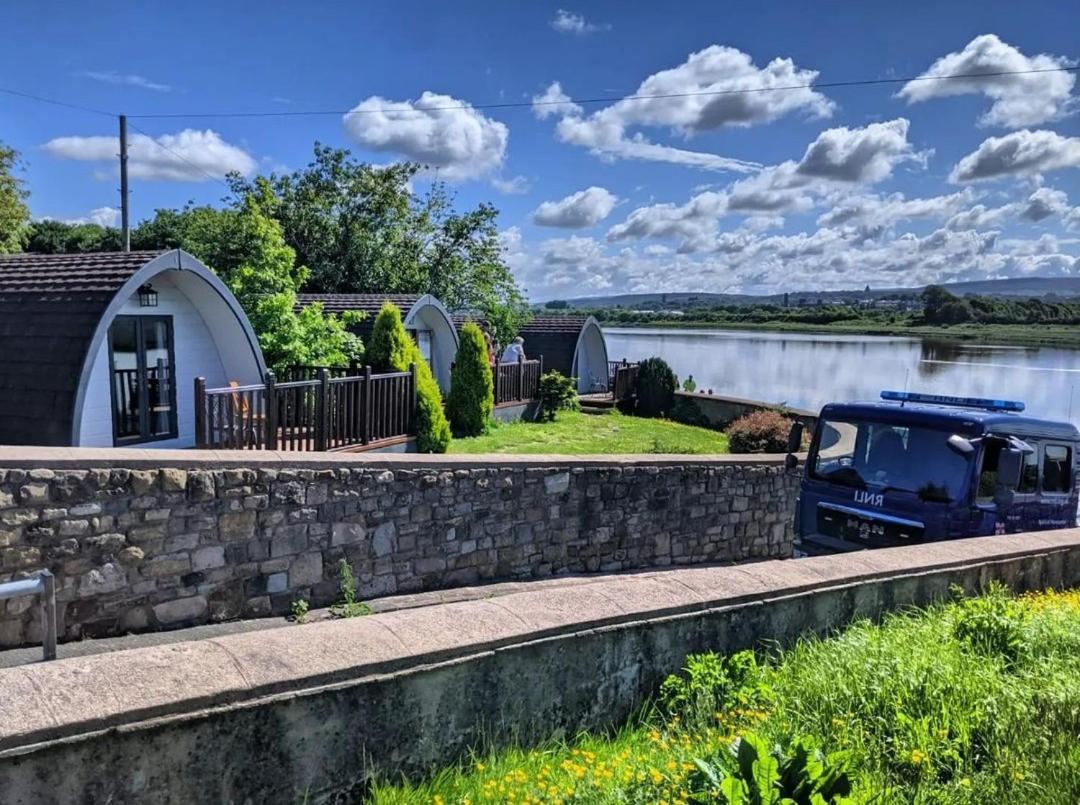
x: 721, y: 411
x: 141, y: 540
x: 307, y: 713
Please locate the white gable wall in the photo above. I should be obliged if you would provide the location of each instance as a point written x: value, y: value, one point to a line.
x: 197, y: 353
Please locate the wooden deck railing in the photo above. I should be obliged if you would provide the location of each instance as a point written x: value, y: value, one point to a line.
x: 622, y: 377
x: 517, y: 382
x: 327, y: 413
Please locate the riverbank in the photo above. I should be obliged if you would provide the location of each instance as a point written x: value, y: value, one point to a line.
x: 1018, y: 334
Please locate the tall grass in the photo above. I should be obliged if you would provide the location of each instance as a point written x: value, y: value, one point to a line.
x: 975, y: 701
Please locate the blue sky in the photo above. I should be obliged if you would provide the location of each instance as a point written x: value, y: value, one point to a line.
x: 838, y: 187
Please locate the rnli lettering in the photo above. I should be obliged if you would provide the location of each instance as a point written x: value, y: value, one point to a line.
x: 871, y: 498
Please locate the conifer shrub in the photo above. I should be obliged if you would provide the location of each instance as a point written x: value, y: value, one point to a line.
x: 390, y: 349
x: 472, y: 388
x: 557, y: 393
x: 655, y: 388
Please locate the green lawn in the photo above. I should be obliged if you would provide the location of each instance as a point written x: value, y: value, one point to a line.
x: 575, y: 433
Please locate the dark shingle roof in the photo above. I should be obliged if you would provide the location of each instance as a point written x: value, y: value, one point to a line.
x: 50, y: 306
x: 554, y: 337
x: 368, y: 303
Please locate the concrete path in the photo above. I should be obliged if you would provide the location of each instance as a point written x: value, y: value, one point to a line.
x: 84, y: 648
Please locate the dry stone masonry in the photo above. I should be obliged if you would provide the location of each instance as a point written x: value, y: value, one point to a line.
x: 141, y: 549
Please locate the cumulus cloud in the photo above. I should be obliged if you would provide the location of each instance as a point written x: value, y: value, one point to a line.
x: 567, y: 22
x: 714, y: 88
x: 436, y: 130
x: 553, y: 101
x: 125, y: 79
x: 102, y: 216
x: 1021, y: 153
x: 694, y: 224
x: 579, y: 210
x: 1018, y: 100
x: 511, y: 187
x: 858, y: 155
x: 1071, y: 219
x: 1043, y: 203
x: 187, y: 156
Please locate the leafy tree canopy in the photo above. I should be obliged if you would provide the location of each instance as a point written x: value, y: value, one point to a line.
x: 14, y: 214
x: 362, y: 229
x: 57, y: 237
x: 245, y: 247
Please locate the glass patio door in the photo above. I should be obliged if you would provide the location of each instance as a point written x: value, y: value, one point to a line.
x: 142, y: 376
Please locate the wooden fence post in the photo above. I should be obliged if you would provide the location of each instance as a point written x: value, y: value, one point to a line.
x: 365, y: 407
x: 412, y: 400
x: 200, y: 412
x: 322, y: 411
x: 270, y: 419
x: 521, y: 377
x: 539, y: 374
x: 495, y: 380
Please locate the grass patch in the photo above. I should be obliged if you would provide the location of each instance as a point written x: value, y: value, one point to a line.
x: 975, y: 701
x: 575, y: 433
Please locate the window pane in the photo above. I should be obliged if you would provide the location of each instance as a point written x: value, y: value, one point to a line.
x: 159, y: 376
x: 1057, y: 468
x: 1029, y: 475
x: 125, y: 377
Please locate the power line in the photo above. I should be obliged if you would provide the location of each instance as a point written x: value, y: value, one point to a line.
x: 608, y: 99
x: 55, y: 102
x: 182, y: 158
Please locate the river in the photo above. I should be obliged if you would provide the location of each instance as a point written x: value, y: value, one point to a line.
x: 806, y: 370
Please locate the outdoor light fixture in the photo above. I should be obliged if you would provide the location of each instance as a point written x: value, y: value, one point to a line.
x: 147, y: 296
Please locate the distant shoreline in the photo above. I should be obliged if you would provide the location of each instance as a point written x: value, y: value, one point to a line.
x: 1022, y: 334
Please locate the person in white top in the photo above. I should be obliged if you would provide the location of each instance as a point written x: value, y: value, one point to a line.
x: 515, y: 351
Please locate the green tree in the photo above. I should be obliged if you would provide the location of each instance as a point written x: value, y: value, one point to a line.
x: 655, y: 388
x: 362, y: 229
x: 391, y: 349
x: 244, y: 246
x: 57, y: 237
x: 14, y: 214
x: 472, y: 389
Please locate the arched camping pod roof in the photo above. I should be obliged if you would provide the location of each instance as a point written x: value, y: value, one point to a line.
x: 55, y: 314
x: 418, y: 311
x: 573, y: 345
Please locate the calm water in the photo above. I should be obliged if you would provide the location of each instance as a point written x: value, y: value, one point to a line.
x: 807, y: 371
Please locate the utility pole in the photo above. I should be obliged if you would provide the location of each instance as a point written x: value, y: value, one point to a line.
x: 125, y: 223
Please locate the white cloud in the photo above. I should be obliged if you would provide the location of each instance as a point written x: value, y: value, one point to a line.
x: 511, y: 187
x: 553, y: 101
x: 1072, y: 219
x: 1043, y: 203
x: 579, y: 210
x: 693, y: 224
x: 567, y: 22
x: 858, y: 155
x: 1019, y: 100
x: 102, y: 216
x: 187, y: 156
x: 125, y: 79
x: 1021, y: 153
x: 437, y: 130
x: 714, y: 88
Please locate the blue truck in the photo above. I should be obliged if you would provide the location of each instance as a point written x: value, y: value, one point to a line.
x: 918, y: 468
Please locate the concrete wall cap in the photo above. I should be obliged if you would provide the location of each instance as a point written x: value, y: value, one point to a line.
x: 70, y: 697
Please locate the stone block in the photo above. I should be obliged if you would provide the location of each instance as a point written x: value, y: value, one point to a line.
x: 182, y: 610
x: 208, y: 557
x: 289, y: 540
x: 131, y: 555
x: 237, y: 525
x: 347, y: 533
x: 277, y: 583
x: 384, y: 540
x: 174, y: 480
x: 108, y: 578
x: 306, y: 569
x: 171, y: 564
x: 143, y: 481
x: 35, y: 493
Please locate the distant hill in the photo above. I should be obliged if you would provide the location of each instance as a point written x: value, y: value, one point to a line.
x: 1020, y: 286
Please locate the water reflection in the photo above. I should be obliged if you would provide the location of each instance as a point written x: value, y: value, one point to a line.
x: 808, y: 370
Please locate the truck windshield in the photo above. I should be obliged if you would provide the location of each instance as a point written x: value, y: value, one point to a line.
x: 883, y: 457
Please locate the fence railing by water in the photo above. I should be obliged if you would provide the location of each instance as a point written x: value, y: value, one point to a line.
x: 326, y: 413
x: 622, y: 377
x: 517, y: 382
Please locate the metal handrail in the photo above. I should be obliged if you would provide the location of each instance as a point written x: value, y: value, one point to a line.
x: 44, y: 584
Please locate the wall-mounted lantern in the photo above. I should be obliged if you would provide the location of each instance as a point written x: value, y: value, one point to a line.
x: 148, y: 297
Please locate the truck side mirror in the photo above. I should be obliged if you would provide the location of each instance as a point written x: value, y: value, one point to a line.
x: 1010, y: 465
x: 794, y: 444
